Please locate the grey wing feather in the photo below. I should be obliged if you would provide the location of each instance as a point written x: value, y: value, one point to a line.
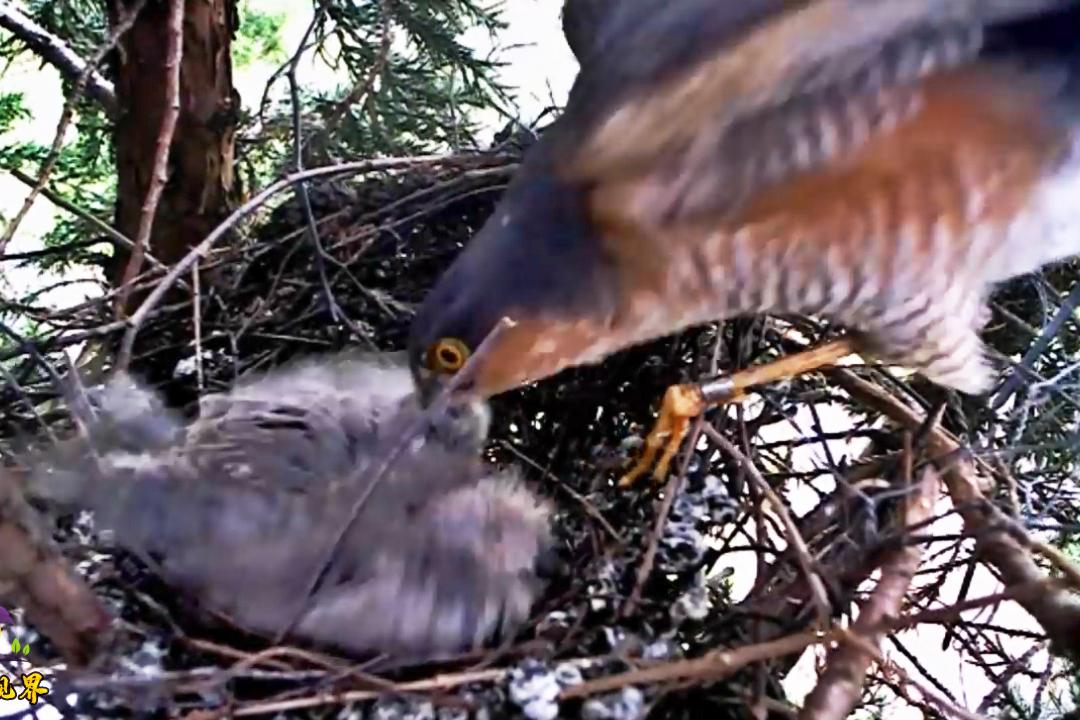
x: 120, y: 417
x: 458, y: 569
x: 241, y: 509
x: 344, y: 400
x: 129, y: 416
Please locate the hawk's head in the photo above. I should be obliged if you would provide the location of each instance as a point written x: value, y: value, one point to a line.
x: 536, y: 262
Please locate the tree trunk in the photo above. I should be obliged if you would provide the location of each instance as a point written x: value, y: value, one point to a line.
x: 200, y: 189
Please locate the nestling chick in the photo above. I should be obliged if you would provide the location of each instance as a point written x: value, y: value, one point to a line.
x: 240, y: 508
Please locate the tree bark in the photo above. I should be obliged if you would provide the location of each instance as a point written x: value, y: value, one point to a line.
x: 200, y: 189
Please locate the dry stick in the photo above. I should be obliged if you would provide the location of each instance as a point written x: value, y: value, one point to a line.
x: 673, y: 487
x: 135, y: 321
x: 675, y: 670
x: 337, y: 314
x: 438, y: 405
x: 840, y: 685
x: 363, y: 90
x: 99, y: 224
x: 802, y: 552
x: 969, y: 489
x: 1019, y: 593
x: 713, y: 666
x: 259, y: 662
x: 160, y: 172
x: 1000, y: 541
x: 1042, y: 342
x: 24, y: 397
x: 1020, y: 664
x: 127, y: 19
x: 56, y: 51
x: 439, y: 682
x: 196, y: 312
x: 301, y: 48
x: 931, y: 698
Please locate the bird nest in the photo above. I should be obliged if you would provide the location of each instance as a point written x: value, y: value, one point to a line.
x: 695, y: 596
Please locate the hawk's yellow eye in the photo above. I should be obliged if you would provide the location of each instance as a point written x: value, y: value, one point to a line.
x: 446, y: 356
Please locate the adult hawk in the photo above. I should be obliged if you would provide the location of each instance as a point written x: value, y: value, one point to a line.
x: 882, y: 163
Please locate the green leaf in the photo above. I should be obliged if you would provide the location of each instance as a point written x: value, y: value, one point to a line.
x: 26, y: 649
x: 259, y: 37
x: 15, y: 646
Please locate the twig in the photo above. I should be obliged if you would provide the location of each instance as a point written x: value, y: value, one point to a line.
x: 1019, y: 593
x: 14, y: 384
x: 196, y: 312
x: 439, y: 682
x: 840, y: 685
x: 27, y: 346
x: 1002, y: 684
x: 674, y: 487
x: 54, y: 50
x: 99, y: 224
x: 363, y: 88
x: 940, y: 702
x: 160, y: 172
x: 1057, y: 610
x: 714, y: 666
x: 1037, y: 348
x: 819, y: 594
x: 587, y: 506
x: 301, y: 48
x: 135, y: 321
x: 337, y: 314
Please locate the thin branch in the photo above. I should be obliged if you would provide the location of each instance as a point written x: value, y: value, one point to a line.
x: 840, y: 685
x: 714, y: 666
x: 819, y: 594
x: 99, y: 224
x: 363, y: 88
x: 127, y: 19
x: 1012, y: 384
x: 57, y: 53
x: 135, y: 321
x: 1057, y: 609
x: 337, y: 314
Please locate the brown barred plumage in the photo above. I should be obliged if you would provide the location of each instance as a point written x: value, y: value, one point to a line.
x: 879, y: 162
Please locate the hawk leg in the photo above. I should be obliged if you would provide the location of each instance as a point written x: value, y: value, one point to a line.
x: 682, y: 403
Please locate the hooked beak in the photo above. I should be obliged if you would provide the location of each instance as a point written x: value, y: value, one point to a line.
x: 430, y: 384
x: 427, y: 383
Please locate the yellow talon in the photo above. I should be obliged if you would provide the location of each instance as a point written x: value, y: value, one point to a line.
x: 683, y: 403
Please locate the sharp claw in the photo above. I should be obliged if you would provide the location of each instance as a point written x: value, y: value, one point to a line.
x: 681, y: 404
